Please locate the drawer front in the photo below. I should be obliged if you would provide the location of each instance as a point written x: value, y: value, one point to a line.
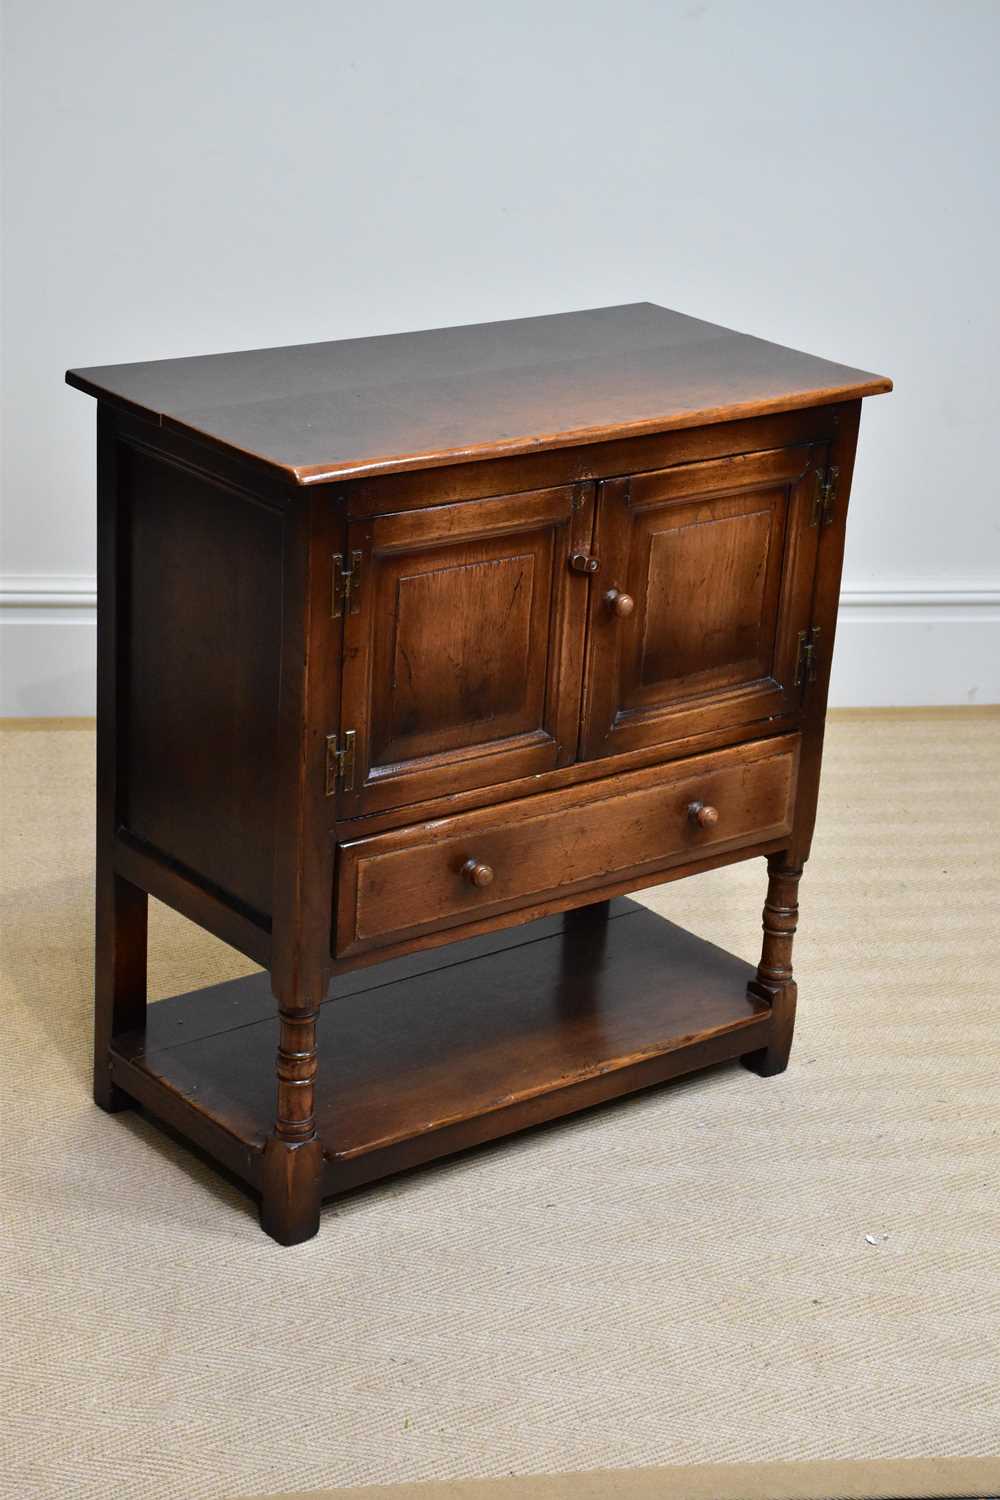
x: 461, y: 871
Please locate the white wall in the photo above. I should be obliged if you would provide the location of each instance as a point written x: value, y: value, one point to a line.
x: 189, y: 177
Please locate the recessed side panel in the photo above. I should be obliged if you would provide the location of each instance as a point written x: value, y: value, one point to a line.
x: 200, y: 638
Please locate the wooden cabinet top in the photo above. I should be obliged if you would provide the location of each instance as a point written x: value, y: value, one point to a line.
x: 333, y: 411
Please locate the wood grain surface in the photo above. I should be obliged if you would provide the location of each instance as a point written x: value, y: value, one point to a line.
x: 329, y: 411
x: 501, y: 1034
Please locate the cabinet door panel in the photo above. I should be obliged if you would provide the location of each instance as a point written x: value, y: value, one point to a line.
x: 718, y: 560
x: 470, y: 680
x: 463, y: 663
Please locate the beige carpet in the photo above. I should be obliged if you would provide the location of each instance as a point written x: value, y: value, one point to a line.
x: 725, y: 1270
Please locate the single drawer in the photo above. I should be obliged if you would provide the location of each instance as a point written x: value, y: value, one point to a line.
x: 463, y: 871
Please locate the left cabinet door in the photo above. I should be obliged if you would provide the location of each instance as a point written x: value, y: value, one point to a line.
x: 463, y: 645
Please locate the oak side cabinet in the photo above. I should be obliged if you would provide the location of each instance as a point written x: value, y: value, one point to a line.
x: 454, y: 637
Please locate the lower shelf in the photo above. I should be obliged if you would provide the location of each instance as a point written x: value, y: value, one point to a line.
x: 427, y: 1055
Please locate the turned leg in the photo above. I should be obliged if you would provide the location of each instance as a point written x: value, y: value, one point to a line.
x: 774, y: 982
x: 119, y: 978
x: 291, y: 1188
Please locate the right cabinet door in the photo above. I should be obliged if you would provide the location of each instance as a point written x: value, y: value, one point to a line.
x: 704, y: 587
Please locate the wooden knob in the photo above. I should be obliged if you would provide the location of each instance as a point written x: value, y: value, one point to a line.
x: 476, y: 873
x: 619, y: 604
x: 703, y: 815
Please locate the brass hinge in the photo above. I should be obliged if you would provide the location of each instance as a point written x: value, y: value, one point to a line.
x: 344, y: 598
x: 825, y: 497
x: 340, y: 762
x: 805, y: 662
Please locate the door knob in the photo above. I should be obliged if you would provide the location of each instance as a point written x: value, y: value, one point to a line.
x: 703, y: 815
x: 476, y: 873
x: 619, y: 604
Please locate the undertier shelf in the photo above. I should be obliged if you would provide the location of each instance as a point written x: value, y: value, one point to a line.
x: 425, y: 1055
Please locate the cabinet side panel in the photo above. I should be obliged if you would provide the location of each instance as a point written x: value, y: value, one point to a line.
x: 200, y: 667
x: 826, y: 596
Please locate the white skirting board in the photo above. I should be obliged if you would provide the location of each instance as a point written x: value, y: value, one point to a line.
x: 904, y: 646
x: 48, y: 645
x: 912, y: 646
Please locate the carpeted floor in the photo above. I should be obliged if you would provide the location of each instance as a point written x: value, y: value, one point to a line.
x: 725, y: 1269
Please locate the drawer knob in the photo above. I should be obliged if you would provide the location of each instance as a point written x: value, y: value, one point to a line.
x: 703, y: 815
x: 619, y: 604
x: 476, y: 873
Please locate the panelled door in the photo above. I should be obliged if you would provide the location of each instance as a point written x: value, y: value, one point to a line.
x: 705, y: 582
x: 463, y: 646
